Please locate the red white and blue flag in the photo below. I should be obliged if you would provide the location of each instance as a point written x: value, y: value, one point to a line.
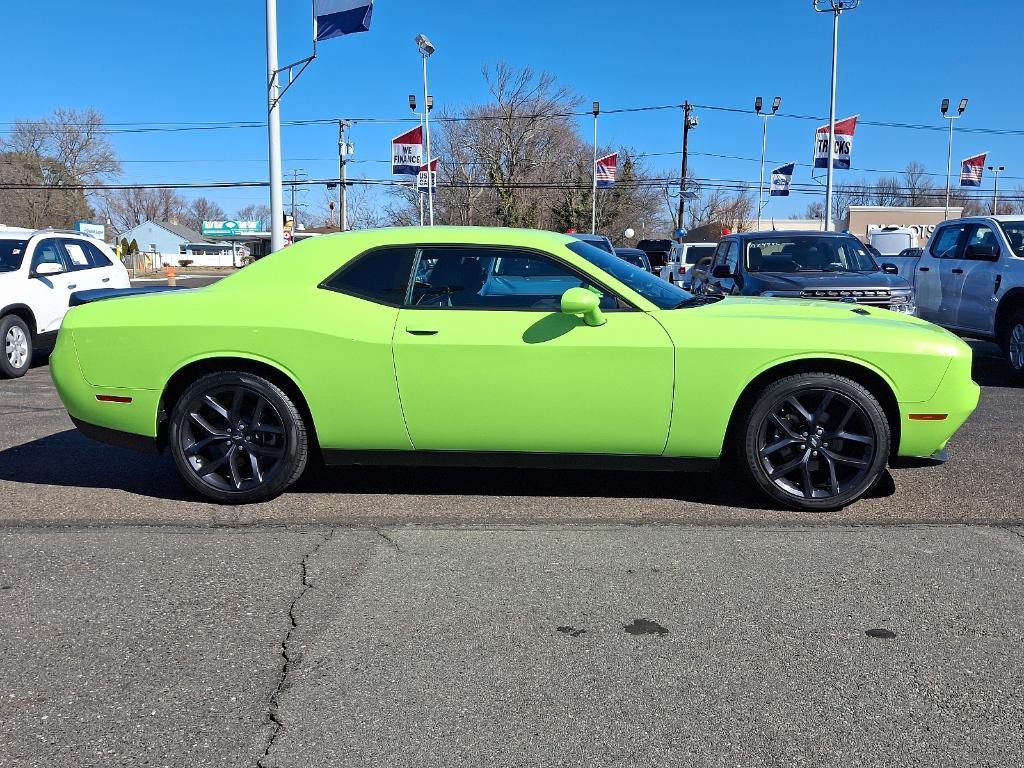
x: 422, y: 178
x: 843, y: 143
x: 334, y: 18
x: 407, y: 152
x: 604, y: 171
x: 971, y: 170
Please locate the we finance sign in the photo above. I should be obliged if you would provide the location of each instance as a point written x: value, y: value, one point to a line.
x: 407, y: 152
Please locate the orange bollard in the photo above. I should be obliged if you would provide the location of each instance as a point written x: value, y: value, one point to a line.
x: 172, y: 275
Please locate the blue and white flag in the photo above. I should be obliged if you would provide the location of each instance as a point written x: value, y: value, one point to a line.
x: 334, y: 18
x: 782, y: 179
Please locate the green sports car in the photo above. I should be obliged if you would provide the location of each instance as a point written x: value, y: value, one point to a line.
x: 474, y: 346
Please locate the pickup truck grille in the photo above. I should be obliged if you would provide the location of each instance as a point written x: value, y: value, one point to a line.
x: 878, y: 298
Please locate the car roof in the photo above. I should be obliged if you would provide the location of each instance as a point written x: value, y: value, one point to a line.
x: 1004, y: 219
x: 15, y: 233
x: 790, y: 233
x: 630, y: 250
x: 582, y: 236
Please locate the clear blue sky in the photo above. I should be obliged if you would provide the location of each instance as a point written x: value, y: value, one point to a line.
x: 189, y: 61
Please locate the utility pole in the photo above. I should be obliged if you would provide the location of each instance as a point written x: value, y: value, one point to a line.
x: 343, y: 152
x: 593, y: 171
x: 689, y: 121
x: 295, y: 180
x: 996, y: 170
x: 274, y: 131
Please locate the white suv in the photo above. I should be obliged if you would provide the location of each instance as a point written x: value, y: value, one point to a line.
x: 39, y: 270
x: 681, y: 260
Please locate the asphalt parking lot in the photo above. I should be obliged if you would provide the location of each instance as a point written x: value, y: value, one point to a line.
x: 484, y: 617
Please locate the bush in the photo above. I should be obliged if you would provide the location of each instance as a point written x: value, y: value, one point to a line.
x: 184, y: 263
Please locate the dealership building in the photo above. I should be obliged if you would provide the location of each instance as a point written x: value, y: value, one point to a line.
x: 921, y: 220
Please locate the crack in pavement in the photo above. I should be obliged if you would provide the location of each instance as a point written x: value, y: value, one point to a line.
x: 388, y: 539
x: 273, y: 718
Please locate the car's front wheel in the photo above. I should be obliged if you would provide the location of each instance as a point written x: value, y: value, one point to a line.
x: 16, y: 339
x: 815, y: 441
x: 237, y: 438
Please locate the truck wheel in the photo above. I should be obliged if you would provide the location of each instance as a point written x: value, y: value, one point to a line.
x: 16, y: 342
x: 815, y: 441
x: 1013, y: 343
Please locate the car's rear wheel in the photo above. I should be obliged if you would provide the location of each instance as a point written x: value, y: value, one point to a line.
x: 1013, y: 343
x: 16, y: 339
x: 237, y: 438
x: 815, y: 441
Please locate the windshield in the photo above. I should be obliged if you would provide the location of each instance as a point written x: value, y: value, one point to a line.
x: 661, y: 293
x: 633, y: 258
x: 1014, y: 231
x: 808, y: 253
x: 11, y: 254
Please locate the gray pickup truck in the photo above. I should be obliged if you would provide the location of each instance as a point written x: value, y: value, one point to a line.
x: 969, y: 278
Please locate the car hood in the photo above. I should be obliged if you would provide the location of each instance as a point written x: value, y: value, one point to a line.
x: 799, y: 281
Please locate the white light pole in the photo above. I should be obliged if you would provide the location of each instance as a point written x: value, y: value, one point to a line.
x: 835, y: 7
x: 274, y: 131
x: 426, y: 49
x: 949, y: 151
x: 593, y: 169
x: 758, y: 103
x: 996, y: 170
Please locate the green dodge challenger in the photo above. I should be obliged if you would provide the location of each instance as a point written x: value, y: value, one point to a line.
x: 502, y: 347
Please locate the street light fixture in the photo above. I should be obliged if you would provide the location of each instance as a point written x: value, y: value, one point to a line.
x: 944, y: 108
x: 758, y: 105
x: 427, y: 49
x: 836, y: 8
x: 996, y: 170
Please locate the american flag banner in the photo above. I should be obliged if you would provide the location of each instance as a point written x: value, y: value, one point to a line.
x: 604, y: 171
x: 971, y: 170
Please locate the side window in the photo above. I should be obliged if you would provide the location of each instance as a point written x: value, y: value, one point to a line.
x: 720, y: 253
x: 732, y: 256
x: 97, y: 256
x: 945, y: 242
x: 982, y: 235
x: 48, y: 252
x: 494, y: 278
x: 381, y: 276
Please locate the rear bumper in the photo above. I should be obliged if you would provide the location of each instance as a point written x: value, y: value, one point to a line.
x: 115, y: 437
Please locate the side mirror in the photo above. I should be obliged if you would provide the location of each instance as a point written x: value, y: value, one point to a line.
x: 580, y: 301
x: 47, y: 269
x: 721, y: 272
x: 982, y: 252
x: 890, y: 269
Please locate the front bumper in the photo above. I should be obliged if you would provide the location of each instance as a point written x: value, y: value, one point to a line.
x: 922, y: 433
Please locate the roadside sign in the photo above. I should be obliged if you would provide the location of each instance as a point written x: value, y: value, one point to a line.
x: 229, y: 228
x: 92, y: 229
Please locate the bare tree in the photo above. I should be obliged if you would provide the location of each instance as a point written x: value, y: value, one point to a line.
x: 255, y: 212
x: 127, y: 208
x: 918, y: 188
x: 58, y: 154
x: 199, y: 210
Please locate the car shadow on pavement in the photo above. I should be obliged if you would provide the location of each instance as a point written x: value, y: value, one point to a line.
x: 990, y: 368
x: 69, y: 459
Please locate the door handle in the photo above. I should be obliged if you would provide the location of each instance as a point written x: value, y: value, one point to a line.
x: 72, y: 286
x: 923, y: 269
x: 105, y: 280
x: 420, y: 332
x: 957, y: 271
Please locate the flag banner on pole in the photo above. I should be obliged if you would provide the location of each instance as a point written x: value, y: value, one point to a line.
x: 605, y: 171
x: 334, y: 18
x: 782, y: 179
x: 843, y: 140
x: 407, y: 152
x: 971, y: 170
x: 421, y: 177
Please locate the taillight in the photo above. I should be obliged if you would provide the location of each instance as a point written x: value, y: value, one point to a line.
x: 682, y: 269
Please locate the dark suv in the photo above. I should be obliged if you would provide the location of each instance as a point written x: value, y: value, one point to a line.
x: 832, y: 266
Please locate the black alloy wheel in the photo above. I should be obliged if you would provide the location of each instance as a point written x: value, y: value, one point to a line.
x: 237, y: 438
x: 816, y: 441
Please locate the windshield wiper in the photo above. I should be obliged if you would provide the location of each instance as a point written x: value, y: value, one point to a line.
x: 697, y: 301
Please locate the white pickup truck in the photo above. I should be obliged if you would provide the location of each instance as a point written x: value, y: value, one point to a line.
x: 969, y: 278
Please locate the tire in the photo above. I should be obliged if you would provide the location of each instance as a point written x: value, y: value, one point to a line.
x: 237, y: 438
x: 814, y: 441
x: 15, y: 347
x: 1013, y: 343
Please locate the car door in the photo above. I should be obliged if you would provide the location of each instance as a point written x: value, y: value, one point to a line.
x: 936, y: 289
x: 976, y: 307
x: 88, y: 272
x: 485, y: 360
x: 48, y: 295
x: 110, y: 270
x: 727, y: 255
